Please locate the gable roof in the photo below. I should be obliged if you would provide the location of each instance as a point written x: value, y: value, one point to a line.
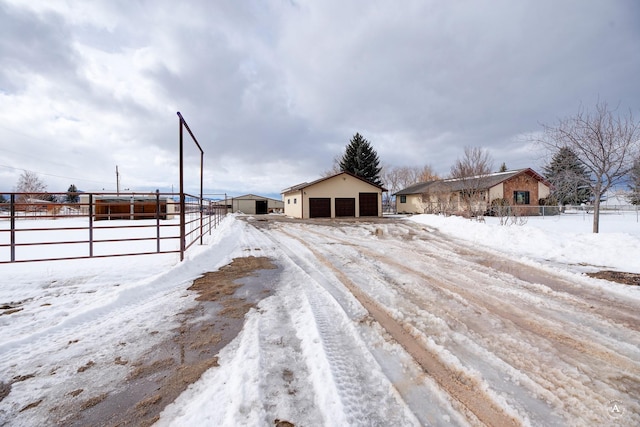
x: 309, y: 184
x: 481, y: 182
x: 254, y: 197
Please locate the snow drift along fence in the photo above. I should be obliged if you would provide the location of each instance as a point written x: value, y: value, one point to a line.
x: 94, y: 225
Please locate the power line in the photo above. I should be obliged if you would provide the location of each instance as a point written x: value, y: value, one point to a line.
x: 56, y: 176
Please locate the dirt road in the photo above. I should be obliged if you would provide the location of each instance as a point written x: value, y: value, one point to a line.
x: 509, y: 343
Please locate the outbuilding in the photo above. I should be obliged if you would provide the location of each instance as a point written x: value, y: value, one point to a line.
x: 341, y: 195
x: 130, y: 206
x: 256, y: 205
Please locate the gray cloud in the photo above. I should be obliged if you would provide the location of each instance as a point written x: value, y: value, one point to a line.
x: 274, y: 90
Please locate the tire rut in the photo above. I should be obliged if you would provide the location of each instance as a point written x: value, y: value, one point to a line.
x: 467, y: 391
x: 582, y: 355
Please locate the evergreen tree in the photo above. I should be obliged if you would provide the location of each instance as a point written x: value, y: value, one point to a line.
x: 634, y: 185
x: 569, y: 178
x: 72, y: 194
x: 361, y: 160
x: 503, y: 167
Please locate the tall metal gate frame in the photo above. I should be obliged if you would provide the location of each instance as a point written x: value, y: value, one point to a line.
x: 183, y: 240
x: 196, y: 217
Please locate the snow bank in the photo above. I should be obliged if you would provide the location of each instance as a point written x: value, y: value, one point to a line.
x: 565, y: 239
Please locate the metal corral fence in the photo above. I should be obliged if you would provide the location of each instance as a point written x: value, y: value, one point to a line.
x: 94, y: 225
x: 543, y: 211
x: 605, y: 209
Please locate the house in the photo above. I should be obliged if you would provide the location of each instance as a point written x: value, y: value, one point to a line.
x: 340, y: 195
x: 30, y: 204
x: 256, y: 205
x: 468, y: 196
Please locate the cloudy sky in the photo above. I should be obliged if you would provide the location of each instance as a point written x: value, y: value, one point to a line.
x: 274, y: 89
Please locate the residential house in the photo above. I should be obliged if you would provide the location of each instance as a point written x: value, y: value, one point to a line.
x: 521, y: 188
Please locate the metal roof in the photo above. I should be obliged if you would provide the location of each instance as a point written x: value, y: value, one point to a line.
x: 480, y: 182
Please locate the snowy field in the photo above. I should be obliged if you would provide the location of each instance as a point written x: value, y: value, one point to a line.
x: 566, y: 239
x: 63, y: 323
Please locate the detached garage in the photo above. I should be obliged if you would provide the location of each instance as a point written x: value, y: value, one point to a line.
x: 340, y: 195
x: 255, y: 205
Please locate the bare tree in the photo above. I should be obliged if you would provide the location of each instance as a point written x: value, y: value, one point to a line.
x: 469, y: 171
x: 395, y: 178
x: 427, y: 174
x: 31, y: 185
x: 605, y: 143
x: 634, y: 185
x: 335, y: 167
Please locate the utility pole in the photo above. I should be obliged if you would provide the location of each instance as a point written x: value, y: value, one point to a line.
x: 117, y: 181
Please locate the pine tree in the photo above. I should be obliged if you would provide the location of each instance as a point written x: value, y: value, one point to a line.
x: 72, y: 194
x: 361, y: 160
x: 634, y: 185
x: 568, y: 177
x: 503, y: 167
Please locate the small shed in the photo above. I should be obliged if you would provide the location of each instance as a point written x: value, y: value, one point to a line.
x: 112, y: 207
x: 340, y: 195
x: 256, y: 205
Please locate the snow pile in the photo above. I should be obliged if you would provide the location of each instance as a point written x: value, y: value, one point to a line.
x: 564, y: 239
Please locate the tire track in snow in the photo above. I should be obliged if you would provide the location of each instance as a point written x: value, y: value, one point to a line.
x: 365, y: 395
x: 473, y: 400
x: 611, y: 307
x: 576, y: 346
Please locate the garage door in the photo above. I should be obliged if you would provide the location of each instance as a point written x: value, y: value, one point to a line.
x: 368, y: 204
x: 261, y: 207
x: 320, y: 207
x: 345, y: 207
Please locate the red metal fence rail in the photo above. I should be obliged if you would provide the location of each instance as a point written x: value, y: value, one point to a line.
x: 94, y: 225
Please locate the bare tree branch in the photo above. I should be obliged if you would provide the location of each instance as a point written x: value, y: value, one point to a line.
x: 604, y: 142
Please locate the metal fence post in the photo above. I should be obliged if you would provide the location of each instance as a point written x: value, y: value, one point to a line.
x: 13, y: 227
x: 158, y: 221
x: 90, y: 212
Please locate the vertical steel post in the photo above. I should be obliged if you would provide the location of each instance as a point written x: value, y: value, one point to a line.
x: 182, y: 206
x: 90, y: 211
x: 158, y: 221
x: 201, y: 195
x: 13, y: 227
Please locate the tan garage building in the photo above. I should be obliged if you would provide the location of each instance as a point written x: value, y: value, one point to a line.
x: 339, y: 195
x: 256, y: 205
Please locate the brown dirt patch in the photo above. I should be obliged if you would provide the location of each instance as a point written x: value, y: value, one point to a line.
x: 31, y: 405
x: 166, y: 370
x: 89, y: 364
x: 5, y: 389
x: 10, y: 311
x: 90, y: 403
x: 632, y: 279
x: 215, y: 285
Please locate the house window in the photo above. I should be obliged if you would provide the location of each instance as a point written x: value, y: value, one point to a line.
x: 288, y: 201
x: 295, y: 200
x: 521, y: 197
x: 403, y: 199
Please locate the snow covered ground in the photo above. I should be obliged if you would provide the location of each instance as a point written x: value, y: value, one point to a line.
x: 501, y: 318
